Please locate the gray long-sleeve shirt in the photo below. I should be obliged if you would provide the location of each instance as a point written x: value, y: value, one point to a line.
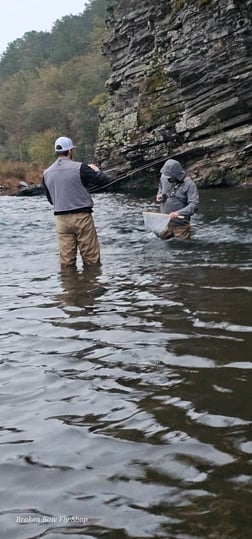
x: 180, y: 193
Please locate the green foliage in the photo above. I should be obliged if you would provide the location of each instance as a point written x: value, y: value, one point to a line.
x: 178, y: 4
x: 41, y: 148
x: 52, y: 85
x: 69, y: 39
x: 99, y: 100
x: 73, y: 35
x: 13, y: 95
x: 26, y: 53
x: 154, y: 113
x: 156, y: 81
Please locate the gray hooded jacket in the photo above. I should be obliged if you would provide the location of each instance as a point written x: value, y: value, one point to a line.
x: 179, y: 192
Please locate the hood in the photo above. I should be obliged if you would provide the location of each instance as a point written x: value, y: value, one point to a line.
x: 173, y: 169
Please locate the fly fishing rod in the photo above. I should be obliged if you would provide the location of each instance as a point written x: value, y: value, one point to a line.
x: 127, y: 175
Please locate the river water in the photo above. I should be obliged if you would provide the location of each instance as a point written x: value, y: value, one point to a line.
x: 126, y: 390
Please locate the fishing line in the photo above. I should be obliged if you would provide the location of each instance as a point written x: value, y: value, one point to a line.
x: 127, y: 175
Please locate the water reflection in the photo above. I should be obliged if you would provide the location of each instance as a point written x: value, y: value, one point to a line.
x: 81, y: 288
x: 125, y: 388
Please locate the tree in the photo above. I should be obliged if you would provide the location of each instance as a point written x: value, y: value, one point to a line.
x: 48, y: 83
x: 26, y: 53
x: 41, y: 148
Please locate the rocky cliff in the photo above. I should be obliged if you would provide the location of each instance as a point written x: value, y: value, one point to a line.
x: 181, y: 86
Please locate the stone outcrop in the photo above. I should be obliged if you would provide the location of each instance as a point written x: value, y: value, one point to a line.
x: 181, y: 86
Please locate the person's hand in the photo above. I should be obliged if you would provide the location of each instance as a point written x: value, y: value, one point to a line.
x: 159, y: 197
x: 94, y: 167
x: 173, y: 215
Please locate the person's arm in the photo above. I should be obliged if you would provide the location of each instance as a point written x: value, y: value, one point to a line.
x: 192, y: 201
x: 91, y: 174
x: 48, y: 196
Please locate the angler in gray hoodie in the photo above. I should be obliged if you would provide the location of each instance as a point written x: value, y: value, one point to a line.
x: 178, y: 197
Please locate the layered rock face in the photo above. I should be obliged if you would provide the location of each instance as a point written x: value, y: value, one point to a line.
x: 181, y: 86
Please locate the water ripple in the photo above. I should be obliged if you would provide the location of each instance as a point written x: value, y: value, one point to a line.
x: 125, y: 391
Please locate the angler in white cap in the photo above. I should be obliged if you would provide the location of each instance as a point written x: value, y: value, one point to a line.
x: 66, y: 185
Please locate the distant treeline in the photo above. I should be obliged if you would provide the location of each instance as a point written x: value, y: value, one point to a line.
x: 52, y: 84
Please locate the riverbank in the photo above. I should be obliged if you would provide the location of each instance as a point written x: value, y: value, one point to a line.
x: 15, y: 176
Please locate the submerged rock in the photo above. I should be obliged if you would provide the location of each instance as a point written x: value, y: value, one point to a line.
x: 33, y: 190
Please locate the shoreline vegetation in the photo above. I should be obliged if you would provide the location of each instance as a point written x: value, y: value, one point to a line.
x: 14, y: 176
x: 51, y: 83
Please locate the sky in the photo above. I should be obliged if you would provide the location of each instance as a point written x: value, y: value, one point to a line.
x: 20, y: 16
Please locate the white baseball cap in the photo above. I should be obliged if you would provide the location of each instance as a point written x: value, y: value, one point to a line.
x: 63, y: 144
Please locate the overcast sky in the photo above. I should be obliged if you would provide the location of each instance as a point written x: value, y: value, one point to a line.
x: 20, y: 16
